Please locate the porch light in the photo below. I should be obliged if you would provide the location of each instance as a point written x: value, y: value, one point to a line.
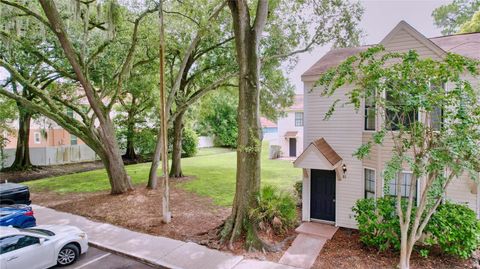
x: 344, y: 169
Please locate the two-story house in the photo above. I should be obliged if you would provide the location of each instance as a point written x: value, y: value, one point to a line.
x: 290, y: 129
x: 333, y: 179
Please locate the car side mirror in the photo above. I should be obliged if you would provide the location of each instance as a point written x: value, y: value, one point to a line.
x: 41, y: 241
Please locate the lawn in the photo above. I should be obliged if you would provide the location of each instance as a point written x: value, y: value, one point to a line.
x: 213, y: 168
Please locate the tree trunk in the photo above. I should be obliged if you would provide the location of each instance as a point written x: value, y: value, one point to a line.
x: 249, y: 132
x: 152, y: 175
x: 22, y: 153
x: 176, y: 168
x: 130, y: 153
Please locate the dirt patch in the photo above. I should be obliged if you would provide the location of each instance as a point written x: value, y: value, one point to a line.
x: 344, y: 250
x: 39, y: 172
x: 194, y: 218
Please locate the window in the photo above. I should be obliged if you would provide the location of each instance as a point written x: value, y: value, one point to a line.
x: 298, y: 118
x: 36, y: 138
x: 405, y: 183
x: 369, y: 113
x: 70, y: 112
x: 11, y: 243
x: 369, y: 183
x: 399, y: 115
x: 73, y: 140
x: 436, y: 118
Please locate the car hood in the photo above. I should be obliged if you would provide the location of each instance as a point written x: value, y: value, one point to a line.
x: 60, y: 229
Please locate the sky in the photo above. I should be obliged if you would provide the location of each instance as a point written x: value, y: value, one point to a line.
x: 379, y: 18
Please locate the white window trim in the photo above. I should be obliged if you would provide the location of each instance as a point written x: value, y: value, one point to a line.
x: 375, y: 181
x: 35, y: 135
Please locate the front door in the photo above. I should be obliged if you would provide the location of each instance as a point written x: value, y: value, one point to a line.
x: 293, y: 147
x: 322, y: 203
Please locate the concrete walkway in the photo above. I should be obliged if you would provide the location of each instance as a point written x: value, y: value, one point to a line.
x: 307, y: 245
x: 154, y: 250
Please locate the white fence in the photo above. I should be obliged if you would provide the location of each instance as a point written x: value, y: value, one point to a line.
x: 55, y: 155
x: 205, y: 142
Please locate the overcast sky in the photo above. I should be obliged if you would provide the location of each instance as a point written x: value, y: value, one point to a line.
x: 379, y: 18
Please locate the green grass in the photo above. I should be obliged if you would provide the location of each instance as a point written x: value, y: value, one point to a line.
x: 214, y: 170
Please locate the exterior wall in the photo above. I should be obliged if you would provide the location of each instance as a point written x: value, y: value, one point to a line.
x: 53, y: 137
x: 287, y: 124
x: 344, y: 134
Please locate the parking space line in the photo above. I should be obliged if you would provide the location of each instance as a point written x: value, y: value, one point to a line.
x: 92, y: 261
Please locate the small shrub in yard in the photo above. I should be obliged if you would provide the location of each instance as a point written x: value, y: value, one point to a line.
x: 276, y: 210
x: 298, y: 188
x: 189, y: 142
x: 378, y: 224
x: 455, y: 229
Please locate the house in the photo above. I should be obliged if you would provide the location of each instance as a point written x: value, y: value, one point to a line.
x: 269, y: 130
x: 290, y: 129
x: 49, y: 144
x: 333, y: 179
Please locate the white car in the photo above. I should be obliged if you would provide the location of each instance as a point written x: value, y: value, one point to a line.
x: 41, y: 247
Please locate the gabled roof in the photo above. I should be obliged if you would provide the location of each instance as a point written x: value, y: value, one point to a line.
x: 464, y: 44
x: 297, y: 103
x: 266, y: 123
x: 318, y: 155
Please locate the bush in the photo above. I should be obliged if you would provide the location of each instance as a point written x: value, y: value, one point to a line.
x: 298, y: 186
x: 275, y: 211
x: 378, y: 224
x: 455, y: 229
x: 189, y: 143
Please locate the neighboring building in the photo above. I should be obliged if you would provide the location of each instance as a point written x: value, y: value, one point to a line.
x: 329, y: 193
x: 49, y: 144
x: 290, y: 129
x: 269, y: 131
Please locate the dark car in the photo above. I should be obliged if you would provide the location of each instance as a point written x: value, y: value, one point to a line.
x: 18, y: 216
x: 11, y: 193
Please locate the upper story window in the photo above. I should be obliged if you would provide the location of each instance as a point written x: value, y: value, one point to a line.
x: 298, y: 118
x: 405, y: 183
x: 398, y: 114
x: 436, y: 115
x: 369, y: 175
x: 73, y: 140
x: 36, y: 138
x: 369, y: 114
x: 70, y: 112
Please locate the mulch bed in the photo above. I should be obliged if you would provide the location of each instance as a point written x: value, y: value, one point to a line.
x: 344, y: 250
x: 196, y: 218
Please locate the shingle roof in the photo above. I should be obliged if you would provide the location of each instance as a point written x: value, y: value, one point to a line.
x: 467, y: 45
x: 291, y: 134
x: 266, y: 123
x: 327, y: 151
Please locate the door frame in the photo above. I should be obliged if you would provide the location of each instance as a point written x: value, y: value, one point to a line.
x: 306, y: 199
x: 290, y: 147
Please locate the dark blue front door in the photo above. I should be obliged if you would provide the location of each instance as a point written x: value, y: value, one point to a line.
x: 322, y: 195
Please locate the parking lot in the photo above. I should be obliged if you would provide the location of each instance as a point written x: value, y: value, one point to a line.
x: 100, y: 259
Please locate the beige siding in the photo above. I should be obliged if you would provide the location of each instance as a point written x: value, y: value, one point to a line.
x: 404, y: 41
x: 344, y: 134
x: 463, y: 190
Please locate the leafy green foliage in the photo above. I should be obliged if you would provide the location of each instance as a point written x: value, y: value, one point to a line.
x: 472, y: 25
x: 451, y: 17
x: 189, y: 142
x: 276, y: 210
x: 456, y: 229
x: 220, y: 119
x: 298, y: 186
x: 378, y: 224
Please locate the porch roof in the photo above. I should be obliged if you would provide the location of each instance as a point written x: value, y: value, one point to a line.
x: 318, y: 155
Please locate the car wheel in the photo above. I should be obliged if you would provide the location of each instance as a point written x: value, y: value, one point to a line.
x: 68, y: 255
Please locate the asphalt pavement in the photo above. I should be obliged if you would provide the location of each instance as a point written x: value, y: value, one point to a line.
x: 99, y: 259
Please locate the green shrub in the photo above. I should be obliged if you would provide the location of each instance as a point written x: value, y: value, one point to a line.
x: 378, y: 224
x: 298, y: 188
x: 455, y: 229
x: 276, y: 210
x: 189, y: 143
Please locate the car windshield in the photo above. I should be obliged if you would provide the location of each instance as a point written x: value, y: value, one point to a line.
x: 38, y: 231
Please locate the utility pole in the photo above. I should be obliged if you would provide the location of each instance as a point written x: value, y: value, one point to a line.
x: 163, y: 120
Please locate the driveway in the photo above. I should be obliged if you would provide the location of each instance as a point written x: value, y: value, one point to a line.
x: 100, y: 259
